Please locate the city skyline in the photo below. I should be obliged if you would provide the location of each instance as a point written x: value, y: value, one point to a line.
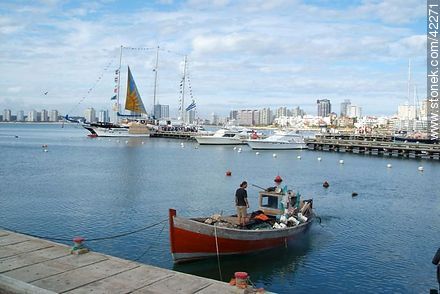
x: 253, y: 53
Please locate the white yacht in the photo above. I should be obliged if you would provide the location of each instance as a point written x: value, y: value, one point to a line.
x: 224, y: 137
x: 279, y: 141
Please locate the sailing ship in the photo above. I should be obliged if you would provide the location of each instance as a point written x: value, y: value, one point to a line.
x: 281, y: 220
x: 131, y: 125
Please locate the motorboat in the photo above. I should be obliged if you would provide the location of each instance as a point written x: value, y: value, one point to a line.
x: 282, y: 219
x: 224, y: 137
x: 279, y: 141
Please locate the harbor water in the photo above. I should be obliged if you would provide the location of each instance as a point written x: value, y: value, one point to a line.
x: 381, y: 241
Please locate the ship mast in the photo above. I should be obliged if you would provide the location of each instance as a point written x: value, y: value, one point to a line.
x: 118, y: 106
x: 155, y: 82
x: 183, y: 91
x: 409, y: 92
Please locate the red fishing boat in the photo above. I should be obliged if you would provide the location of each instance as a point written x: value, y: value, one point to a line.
x: 281, y: 219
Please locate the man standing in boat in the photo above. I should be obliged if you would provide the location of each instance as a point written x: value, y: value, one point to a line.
x: 241, y: 203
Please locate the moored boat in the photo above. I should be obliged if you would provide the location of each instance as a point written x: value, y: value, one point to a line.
x: 286, y: 219
x: 224, y: 137
x: 279, y: 141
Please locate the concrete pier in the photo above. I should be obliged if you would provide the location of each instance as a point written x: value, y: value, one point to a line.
x: 31, y: 265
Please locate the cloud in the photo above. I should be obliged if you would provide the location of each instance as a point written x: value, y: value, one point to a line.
x: 252, y: 51
x: 16, y: 89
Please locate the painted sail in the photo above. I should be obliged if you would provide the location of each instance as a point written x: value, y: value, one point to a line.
x: 133, y: 101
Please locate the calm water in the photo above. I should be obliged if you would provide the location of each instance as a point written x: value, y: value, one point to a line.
x: 379, y: 242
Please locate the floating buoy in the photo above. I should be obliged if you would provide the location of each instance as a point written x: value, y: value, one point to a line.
x: 44, y: 146
x: 299, y: 157
x: 389, y: 165
x: 196, y: 147
x: 278, y: 179
x: 143, y: 142
x: 126, y: 142
x: 319, y: 158
x: 274, y: 155
x: 45, y: 150
x: 420, y: 168
x: 235, y: 148
x: 228, y: 173
x: 239, y: 149
x: 325, y: 184
x: 341, y: 161
x: 182, y: 145
x: 257, y: 153
x: 354, y: 194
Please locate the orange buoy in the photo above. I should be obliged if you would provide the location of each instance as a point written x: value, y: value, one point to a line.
x: 278, y: 179
x: 228, y: 173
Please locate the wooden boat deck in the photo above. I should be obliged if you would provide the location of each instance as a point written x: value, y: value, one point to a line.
x: 32, y: 265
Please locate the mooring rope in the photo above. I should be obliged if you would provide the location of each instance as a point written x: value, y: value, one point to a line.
x: 86, y: 239
x: 149, y: 247
x: 218, y: 256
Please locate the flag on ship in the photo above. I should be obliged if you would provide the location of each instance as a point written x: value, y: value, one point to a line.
x: 191, y: 106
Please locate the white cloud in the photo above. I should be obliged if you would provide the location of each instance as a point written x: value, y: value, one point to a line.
x: 240, y: 52
x: 16, y: 89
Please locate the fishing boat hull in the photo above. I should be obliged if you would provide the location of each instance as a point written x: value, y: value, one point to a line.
x: 191, y: 239
x: 274, y: 145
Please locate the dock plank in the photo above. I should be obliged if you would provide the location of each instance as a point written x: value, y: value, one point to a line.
x: 53, y: 267
x: 47, y: 266
x: 12, y: 239
x: 83, y: 276
x: 180, y: 283
x: 125, y: 282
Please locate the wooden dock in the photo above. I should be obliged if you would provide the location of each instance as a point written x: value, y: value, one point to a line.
x: 376, y: 147
x: 31, y: 265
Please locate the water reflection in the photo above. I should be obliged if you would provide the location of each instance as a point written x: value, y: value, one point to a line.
x: 261, y: 266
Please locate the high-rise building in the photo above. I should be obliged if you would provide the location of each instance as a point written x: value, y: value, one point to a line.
x: 255, y: 117
x: 324, y: 107
x: 281, y: 111
x: 298, y: 112
x: 33, y: 116
x: 103, y: 116
x: 53, y: 117
x: 162, y: 111
x: 233, y: 114
x: 7, y: 115
x: 191, y: 115
x: 354, y: 111
x: 406, y: 111
x: 90, y: 115
x: 245, y: 117
x: 265, y: 116
x: 20, y: 115
x: 214, y: 119
x: 44, y: 115
x: 345, y: 106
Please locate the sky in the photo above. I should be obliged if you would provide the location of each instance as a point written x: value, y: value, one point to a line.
x: 241, y: 54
